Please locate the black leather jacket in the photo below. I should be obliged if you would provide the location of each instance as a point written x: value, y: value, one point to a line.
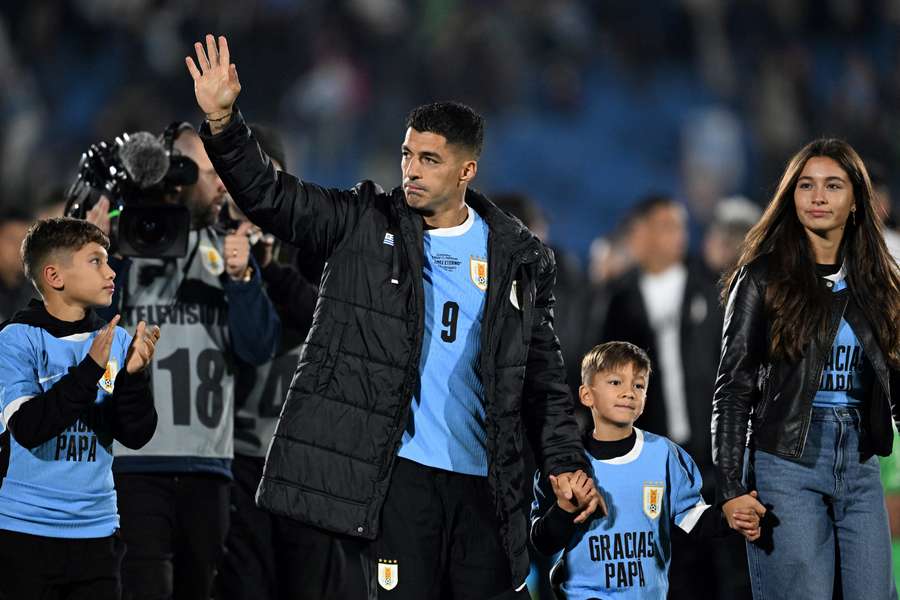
x: 774, y: 397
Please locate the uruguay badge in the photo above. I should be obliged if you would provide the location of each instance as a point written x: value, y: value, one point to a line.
x: 109, y: 376
x: 478, y: 272
x: 388, y: 574
x: 653, y: 497
x: 211, y: 259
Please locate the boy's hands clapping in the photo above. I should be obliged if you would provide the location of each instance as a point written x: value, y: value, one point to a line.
x: 102, y: 343
x: 140, y: 353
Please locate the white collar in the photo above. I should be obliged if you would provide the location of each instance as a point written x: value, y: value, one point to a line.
x: 456, y: 230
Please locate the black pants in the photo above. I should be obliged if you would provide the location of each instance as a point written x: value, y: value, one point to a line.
x: 269, y: 557
x: 439, y: 540
x: 174, y: 527
x: 45, y: 568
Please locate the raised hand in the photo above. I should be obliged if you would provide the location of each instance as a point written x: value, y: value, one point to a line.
x: 237, y: 250
x: 102, y: 343
x: 140, y: 353
x: 216, y: 83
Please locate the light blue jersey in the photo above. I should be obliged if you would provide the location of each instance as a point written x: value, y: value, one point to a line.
x: 627, y: 553
x: 846, y: 377
x: 63, y: 487
x: 446, y: 427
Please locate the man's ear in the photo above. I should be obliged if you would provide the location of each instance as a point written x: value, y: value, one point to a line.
x: 52, y: 277
x: 585, y: 396
x: 468, y: 171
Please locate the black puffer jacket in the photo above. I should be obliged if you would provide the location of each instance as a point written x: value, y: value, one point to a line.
x: 331, y: 459
x: 776, y: 396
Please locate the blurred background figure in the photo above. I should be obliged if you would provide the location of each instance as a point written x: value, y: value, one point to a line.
x: 731, y: 220
x: 15, y: 289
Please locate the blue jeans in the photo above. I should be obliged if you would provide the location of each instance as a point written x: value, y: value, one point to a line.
x: 827, y: 525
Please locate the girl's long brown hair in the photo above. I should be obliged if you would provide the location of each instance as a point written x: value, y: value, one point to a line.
x: 797, y: 307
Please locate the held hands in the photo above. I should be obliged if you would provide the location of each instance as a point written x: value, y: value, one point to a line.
x: 140, y: 353
x: 216, y: 83
x: 237, y: 251
x: 743, y: 514
x: 575, y: 492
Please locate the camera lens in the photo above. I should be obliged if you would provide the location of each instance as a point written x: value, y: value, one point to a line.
x: 150, y: 230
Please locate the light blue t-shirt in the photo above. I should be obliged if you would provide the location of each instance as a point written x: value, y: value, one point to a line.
x: 446, y: 426
x: 846, y: 377
x: 627, y: 553
x: 64, y: 487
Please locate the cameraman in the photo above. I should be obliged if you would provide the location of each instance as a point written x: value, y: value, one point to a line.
x: 174, y: 492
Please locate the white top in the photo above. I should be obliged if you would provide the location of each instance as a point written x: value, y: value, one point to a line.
x: 663, y: 295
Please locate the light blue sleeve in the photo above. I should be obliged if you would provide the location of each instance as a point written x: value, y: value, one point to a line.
x: 684, y: 492
x: 18, y: 371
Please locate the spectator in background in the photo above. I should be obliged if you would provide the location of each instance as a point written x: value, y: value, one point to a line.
x: 15, y: 290
x: 732, y: 219
x: 669, y: 306
x: 884, y: 207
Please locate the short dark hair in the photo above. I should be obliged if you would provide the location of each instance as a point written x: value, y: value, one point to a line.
x: 613, y: 355
x: 455, y: 121
x: 270, y: 142
x: 646, y: 205
x: 56, y: 234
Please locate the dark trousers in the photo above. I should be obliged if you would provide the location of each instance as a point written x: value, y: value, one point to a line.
x: 45, y: 568
x: 439, y: 540
x: 268, y: 556
x: 174, y: 527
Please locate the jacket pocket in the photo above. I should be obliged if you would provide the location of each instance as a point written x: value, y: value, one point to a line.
x: 331, y: 356
x: 765, y: 377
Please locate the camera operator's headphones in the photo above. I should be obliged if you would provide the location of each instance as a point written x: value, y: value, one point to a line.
x: 182, y: 170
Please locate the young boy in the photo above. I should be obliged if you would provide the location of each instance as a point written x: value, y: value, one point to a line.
x: 647, y: 482
x: 70, y: 384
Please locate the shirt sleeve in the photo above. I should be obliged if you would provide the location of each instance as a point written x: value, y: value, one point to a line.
x: 32, y: 415
x: 687, y: 504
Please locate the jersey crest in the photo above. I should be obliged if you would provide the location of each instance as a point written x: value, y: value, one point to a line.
x: 109, y: 376
x: 212, y: 260
x: 478, y: 270
x: 388, y: 574
x: 653, y: 497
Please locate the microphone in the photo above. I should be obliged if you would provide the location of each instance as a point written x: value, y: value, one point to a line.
x: 144, y: 158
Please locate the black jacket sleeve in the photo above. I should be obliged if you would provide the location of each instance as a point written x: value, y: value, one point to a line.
x: 131, y: 412
x: 46, y: 415
x: 293, y: 296
x: 311, y: 217
x: 546, y: 403
x: 743, y: 351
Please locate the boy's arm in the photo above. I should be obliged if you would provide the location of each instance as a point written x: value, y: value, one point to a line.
x: 252, y: 320
x: 690, y: 512
x: 551, y: 526
x: 132, y: 412
x: 32, y: 415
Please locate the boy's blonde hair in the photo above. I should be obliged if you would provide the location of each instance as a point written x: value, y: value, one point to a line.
x: 610, y: 356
